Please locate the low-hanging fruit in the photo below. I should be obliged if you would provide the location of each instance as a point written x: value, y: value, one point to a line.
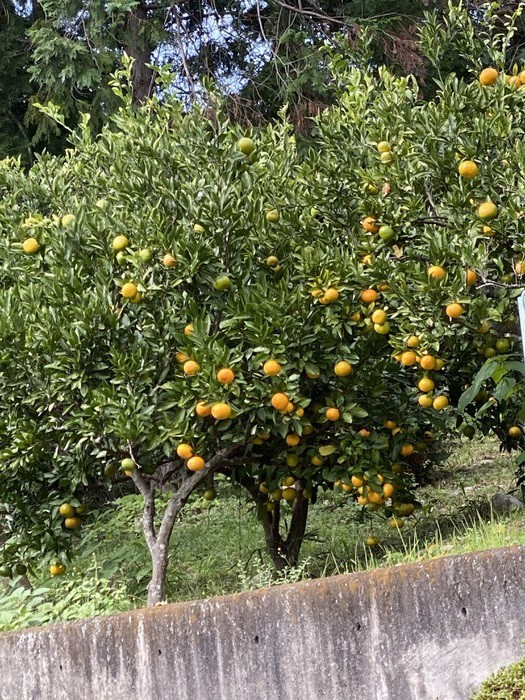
x: 30, y: 246
x: 196, y: 463
x: 246, y: 145
x: 221, y: 411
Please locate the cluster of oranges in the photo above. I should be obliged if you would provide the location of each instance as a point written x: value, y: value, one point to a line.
x: 70, y: 515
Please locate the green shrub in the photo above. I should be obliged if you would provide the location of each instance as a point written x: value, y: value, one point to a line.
x: 506, y: 684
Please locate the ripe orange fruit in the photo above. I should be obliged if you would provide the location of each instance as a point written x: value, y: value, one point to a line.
x: 129, y: 290
x: 375, y: 497
x: 363, y: 500
x: 168, y: 260
x: 299, y: 412
x: 272, y: 261
x: 30, y: 246
x: 488, y: 76
x: 468, y: 169
x: 189, y: 329
x: 379, y: 316
x: 57, y: 569
x: 471, y: 276
x: 195, y: 464
x: 280, y: 401
x: 289, y: 407
x: 425, y: 385
x: 181, y: 357
x: 292, y: 440
x: 190, y: 368
x: 439, y: 364
x: 357, y: 481
x: 413, y: 341
x: 514, y: 431
x: 202, y: 409
x: 369, y: 295
x: 487, y: 211
x: 330, y: 296
x: 136, y: 298
x: 343, y: 368
x: 488, y: 231
x: 221, y: 411
x: 369, y: 224
x: 72, y: 523
x: 66, y: 510
x: 390, y: 424
x: 372, y: 541
x: 454, y: 310
x: 355, y: 317
x: 408, y: 358
x: 367, y: 260
x: 184, y: 450
x: 272, y: 368
x: 428, y: 362
x: 407, y: 449
x: 519, y: 268
x: 388, y: 490
x: 289, y: 494
x: 225, y: 375
x: 436, y: 272
x: 425, y: 401
x: 395, y: 523
x: 364, y: 433
x: 333, y: 414
x: 440, y: 402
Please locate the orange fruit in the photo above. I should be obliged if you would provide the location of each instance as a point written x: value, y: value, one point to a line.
x: 30, y: 246
x: 379, y: 316
x: 202, y: 409
x: 428, y: 362
x: 390, y: 424
x: 129, y: 290
x: 272, y: 368
x: 272, y: 261
x: 299, y: 412
x: 355, y: 317
x: 289, y: 407
x: 168, y: 260
x: 440, y: 402
x: 369, y: 295
x: 436, y: 272
x: 225, y: 375
x: 280, y: 401
x: 317, y: 460
x: 369, y: 224
x: 343, y: 368
x: 364, y: 433
x: 468, y: 169
x: 184, y: 450
x: 66, y: 510
x: 407, y: 450
x: 395, y: 523
x: 488, y: 231
x: 289, y: 494
x: 363, y: 500
x: 408, y: 358
x: 221, y: 411
x: 119, y: 243
x: 367, y: 260
x: 195, y: 464
x: 181, y: 357
x: 57, y: 569
x: 425, y: 385
x: 330, y: 296
x: 333, y: 414
x: 292, y: 440
x: 488, y: 76
x: 190, y: 368
x: 439, y: 364
x: 375, y: 497
x: 189, y: 329
x: 471, y: 276
x: 72, y: 523
x: 514, y: 431
x: 425, y: 401
x: 388, y: 490
x: 413, y: 341
x: 487, y: 211
x: 372, y: 541
x: 454, y: 310
x: 519, y: 268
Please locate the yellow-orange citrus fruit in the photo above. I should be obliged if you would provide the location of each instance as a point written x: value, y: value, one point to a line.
x: 299, y: 412
x: 182, y: 357
x: 436, y: 272
x: 375, y: 497
x: 425, y: 401
x: 363, y: 500
x: 369, y: 224
x: 280, y: 401
x: 428, y: 362
x: 272, y: 368
x: 66, y: 510
x: 289, y: 494
x: 357, y: 481
x: 221, y: 411
x: 195, y: 464
x: 225, y: 375
x: 119, y: 243
x: 317, y: 460
x: 487, y: 211
x: 514, y: 431
x: 388, y: 490
x: 379, y: 316
x: 330, y: 296
x: 372, y: 541
x: 384, y: 147
x: 191, y: 368
x: 439, y: 364
x: 168, y: 260
x: 488, y: 76
x: 342, y: 368
x: 519, y: 268
x: 184, y: 450
x: 413, y: 341
x: 440, y: 402
x: 30, y: 246
x: 390, y: 424
x: 333, y: 414
x: 454, y: 310
x: 408, y: 358
x: 395, y: 523
x: 272, y: 261
x: 369, y: 295
x: 129, y: 290
x: 488, y: 231
x: 364, y: 433
x: 425, y: 384
x: 407, y: 450
x: 57, y: 569
x: 72, y: 523
x: 292, y: 440
x: 471, y: 277
x: 189, y: 329
x: 468, y: 169
x: 202, y: 409
x: 289, y: 407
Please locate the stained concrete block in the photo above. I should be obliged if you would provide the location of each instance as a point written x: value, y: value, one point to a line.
x: 431, y: 630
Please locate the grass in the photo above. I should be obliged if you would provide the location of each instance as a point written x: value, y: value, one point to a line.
x: 217, y: 547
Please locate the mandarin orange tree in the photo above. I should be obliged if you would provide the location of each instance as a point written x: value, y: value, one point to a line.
x: 180, y: 298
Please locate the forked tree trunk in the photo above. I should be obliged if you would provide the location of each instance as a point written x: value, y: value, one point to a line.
x: 284, y: 552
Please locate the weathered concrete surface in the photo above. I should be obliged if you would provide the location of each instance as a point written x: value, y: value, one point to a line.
x: 433, y: 630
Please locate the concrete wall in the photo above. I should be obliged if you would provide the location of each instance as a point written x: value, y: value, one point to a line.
x: 433, y: 630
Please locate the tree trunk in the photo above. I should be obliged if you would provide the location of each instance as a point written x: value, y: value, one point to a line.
x: 157, y: 584
x: 140, y: 48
